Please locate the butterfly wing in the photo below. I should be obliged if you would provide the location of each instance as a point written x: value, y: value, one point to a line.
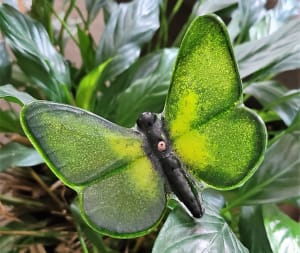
x: 218, y: 139
x: 103, y: 162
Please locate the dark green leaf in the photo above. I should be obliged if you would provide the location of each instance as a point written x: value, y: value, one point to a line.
x: 278, y: 177
x: 8, y: 243
x: 10, y: 93
x: 244, y: 17
x: 210, y: 6
x: 146, y: 84
x: 211, y: 233
x: 93, y: 7
x: 130, y: 25
x: 252, y: 230
x: 87, y: 89
x: 14, y: 154
x: 35, y: 55
x: 41, y: 10
x: 282, y: 231
x: 274, y: 96
x: 86, y: 46
x: 5, y: 64
x: 275, y: 53
x: 274, y: 18
x: 9, y: 122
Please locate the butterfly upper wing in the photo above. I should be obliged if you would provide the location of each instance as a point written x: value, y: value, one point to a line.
x: 214, y: 135
x: 103, y: 162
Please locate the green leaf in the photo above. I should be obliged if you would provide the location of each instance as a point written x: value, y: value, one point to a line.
x: 9, y: 122
x: 35, y: 55
x: 87, y: 48
x: 252, y: 230
x: 11, y: 94
x: 93, y: 7
x: 210, y: 6
x: 278, y: 177
x: 5, y: 64
x: 271, y: 55
x: 41, y: 10
x: 274, y: 96
x: 204, y: 111
x: 211, y: 233
x: 87, y: 89
x: 143, y: 87
x: 244, y: 17
x: 130, y: 26
x: 274, y: 18
x: 282, y: 231
x: 17, y: 155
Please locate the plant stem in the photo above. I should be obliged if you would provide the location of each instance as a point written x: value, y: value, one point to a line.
x: 81, y: 239
x: 64, y: 26
x: 20, y: 201
x: 46, y: 188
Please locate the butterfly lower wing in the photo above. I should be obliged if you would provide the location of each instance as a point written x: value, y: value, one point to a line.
x: 219, y: 140
x: 223, y: 154
x: 77, y: 145
x: 137, y: 196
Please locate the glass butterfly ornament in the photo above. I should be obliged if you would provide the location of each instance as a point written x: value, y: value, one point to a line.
x: 122, y: 175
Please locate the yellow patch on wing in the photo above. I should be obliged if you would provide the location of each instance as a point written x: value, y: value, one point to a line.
x: 126, y: 147
x: 143, y: 177
x: 185, y: 115
x: 192, y: 147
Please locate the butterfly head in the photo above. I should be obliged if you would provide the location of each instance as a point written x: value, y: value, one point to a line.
x: 146, y: 121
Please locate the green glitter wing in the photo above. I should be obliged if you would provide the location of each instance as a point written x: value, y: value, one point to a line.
x: 103, y: 162
x: 217, y: 138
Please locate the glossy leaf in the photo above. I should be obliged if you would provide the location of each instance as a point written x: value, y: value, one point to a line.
x: 9, y: 122
x: 10, y: 93
x: 35, y: 54
x: 282, y: 231
x: 147, y: 86
x: 143, y: 87
x: 98, y: 156
x: 130, y: 25
x: 93, y: 7
x: 204, y: 109
x: 5, y: 64
x: 87, y: 48
x: 244, y: 17
x: 41, y: 10
x: 87, y: 89
x: 211, y: 233
x: 278, y: 177
x: 210, y: 6
x: 274, y: 96
x: 17, y: 155
x: 274, y: 18
x: 252, y: 231
x: 275, y: 53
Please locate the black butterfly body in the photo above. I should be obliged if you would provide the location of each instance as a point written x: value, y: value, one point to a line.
x: 158, y: 148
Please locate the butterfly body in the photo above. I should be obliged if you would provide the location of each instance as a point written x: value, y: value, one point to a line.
x: 159, y: 150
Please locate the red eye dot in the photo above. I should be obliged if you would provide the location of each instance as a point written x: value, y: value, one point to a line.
x: 161, y: 146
